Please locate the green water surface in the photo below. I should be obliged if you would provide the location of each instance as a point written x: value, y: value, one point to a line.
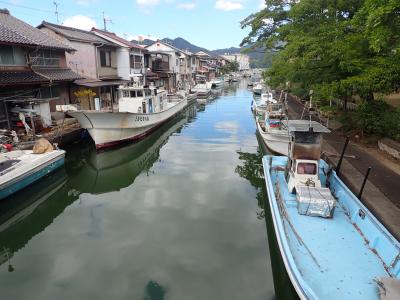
x: 178, y: 215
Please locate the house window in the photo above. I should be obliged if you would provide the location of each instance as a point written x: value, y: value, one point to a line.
x: 45, y: 58
x: 6, y: 55
x: 105, y: 58
x: 49, y: 92
x: 136, y: 62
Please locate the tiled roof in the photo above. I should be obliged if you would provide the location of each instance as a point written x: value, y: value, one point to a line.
x: 20, y: 77
x: 58, y: 74
x: 116, y: 38
x: 15, y: 31
x: 74, y: 33
x: 37, y: 76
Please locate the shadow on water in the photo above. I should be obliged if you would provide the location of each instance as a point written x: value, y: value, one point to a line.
x: 30, y: 211
x: 252, y: 170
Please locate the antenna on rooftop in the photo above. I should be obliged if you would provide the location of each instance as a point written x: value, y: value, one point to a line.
x: 56, y: 12
x: 105, y: 21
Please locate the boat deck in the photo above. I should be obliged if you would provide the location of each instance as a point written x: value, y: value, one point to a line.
x: 331, y: 254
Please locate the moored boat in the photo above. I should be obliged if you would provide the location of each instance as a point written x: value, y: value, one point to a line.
x: 21, y: 168
x: 260, y: 104
x: 202, y: 87
x: 331, y: 244
x: 140, y: 111
x: 217, y: 82
x: 272, y: 126
x: 258, y: 89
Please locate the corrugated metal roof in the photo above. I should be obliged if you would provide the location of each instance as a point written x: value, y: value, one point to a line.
x: 15, y: 31
x: 305, y: 126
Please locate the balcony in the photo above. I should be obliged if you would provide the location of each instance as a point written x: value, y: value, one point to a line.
x: 160, y: 66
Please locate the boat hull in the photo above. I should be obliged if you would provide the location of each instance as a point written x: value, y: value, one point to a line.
x: 18, y: 183
x: 203, y: 93
x: 111, y: 128
x: 337, y: 258
x: 277, y: 143
x: 217, y: 84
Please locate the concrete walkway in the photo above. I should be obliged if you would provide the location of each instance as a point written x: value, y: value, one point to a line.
x: 381, y: 194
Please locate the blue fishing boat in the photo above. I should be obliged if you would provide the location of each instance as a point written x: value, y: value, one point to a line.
x: 331, y: 244
x: 20, y: 168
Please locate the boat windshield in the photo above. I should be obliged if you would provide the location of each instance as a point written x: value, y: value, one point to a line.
x: 307, y: 168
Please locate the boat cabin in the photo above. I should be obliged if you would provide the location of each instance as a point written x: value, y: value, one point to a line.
x: 141, y: 99
x: 201, y: 79
x: 305, y: 152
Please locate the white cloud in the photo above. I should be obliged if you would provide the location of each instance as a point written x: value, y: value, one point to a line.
x: 85, y: 2
x: 80, y: 22
x: 228, y: 5
x: 187, y: 6
x: 148, y: 2
x: 262, y: 4
x: 142, y: 37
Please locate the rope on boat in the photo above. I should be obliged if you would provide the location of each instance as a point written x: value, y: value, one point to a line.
x: 285, y: 214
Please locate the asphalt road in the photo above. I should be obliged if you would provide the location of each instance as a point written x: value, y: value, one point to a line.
x: 386, y: 180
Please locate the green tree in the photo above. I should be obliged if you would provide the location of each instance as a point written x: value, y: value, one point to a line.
x: 229, y: 67
x: 339, y: 48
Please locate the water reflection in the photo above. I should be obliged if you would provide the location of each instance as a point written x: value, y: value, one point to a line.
x: 154, y: 291
x: 167, y: 218
x: 31, y: 210
x: 252, y: 170
x: 112, y: 170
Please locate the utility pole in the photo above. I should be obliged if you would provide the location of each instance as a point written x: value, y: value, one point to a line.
x: 105, y: 21
x: 56, y: 12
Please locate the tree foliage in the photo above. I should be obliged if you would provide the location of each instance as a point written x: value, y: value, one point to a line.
x: 229, y: 67
x: 339, y: 48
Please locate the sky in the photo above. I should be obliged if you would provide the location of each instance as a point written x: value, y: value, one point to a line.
x: 213, y: 24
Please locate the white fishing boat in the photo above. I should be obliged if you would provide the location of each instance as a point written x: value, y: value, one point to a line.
x: 260, y: 105
x: 20, y: 168
x: 272, y: 126
x: 217, y: 82
x: 235, y: 77
x: 202, y: 87
x: 258, y: 89
x: 191, y: 96
x: 140, y: 111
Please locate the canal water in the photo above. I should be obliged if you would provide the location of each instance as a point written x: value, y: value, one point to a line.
x: 178, y: 215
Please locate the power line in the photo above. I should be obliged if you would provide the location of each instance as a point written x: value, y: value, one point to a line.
x: 27, y: 7
x: 58, y: 14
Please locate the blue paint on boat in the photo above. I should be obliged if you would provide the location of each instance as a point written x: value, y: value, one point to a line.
x: 31, y: 178
x: 337, y: 258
